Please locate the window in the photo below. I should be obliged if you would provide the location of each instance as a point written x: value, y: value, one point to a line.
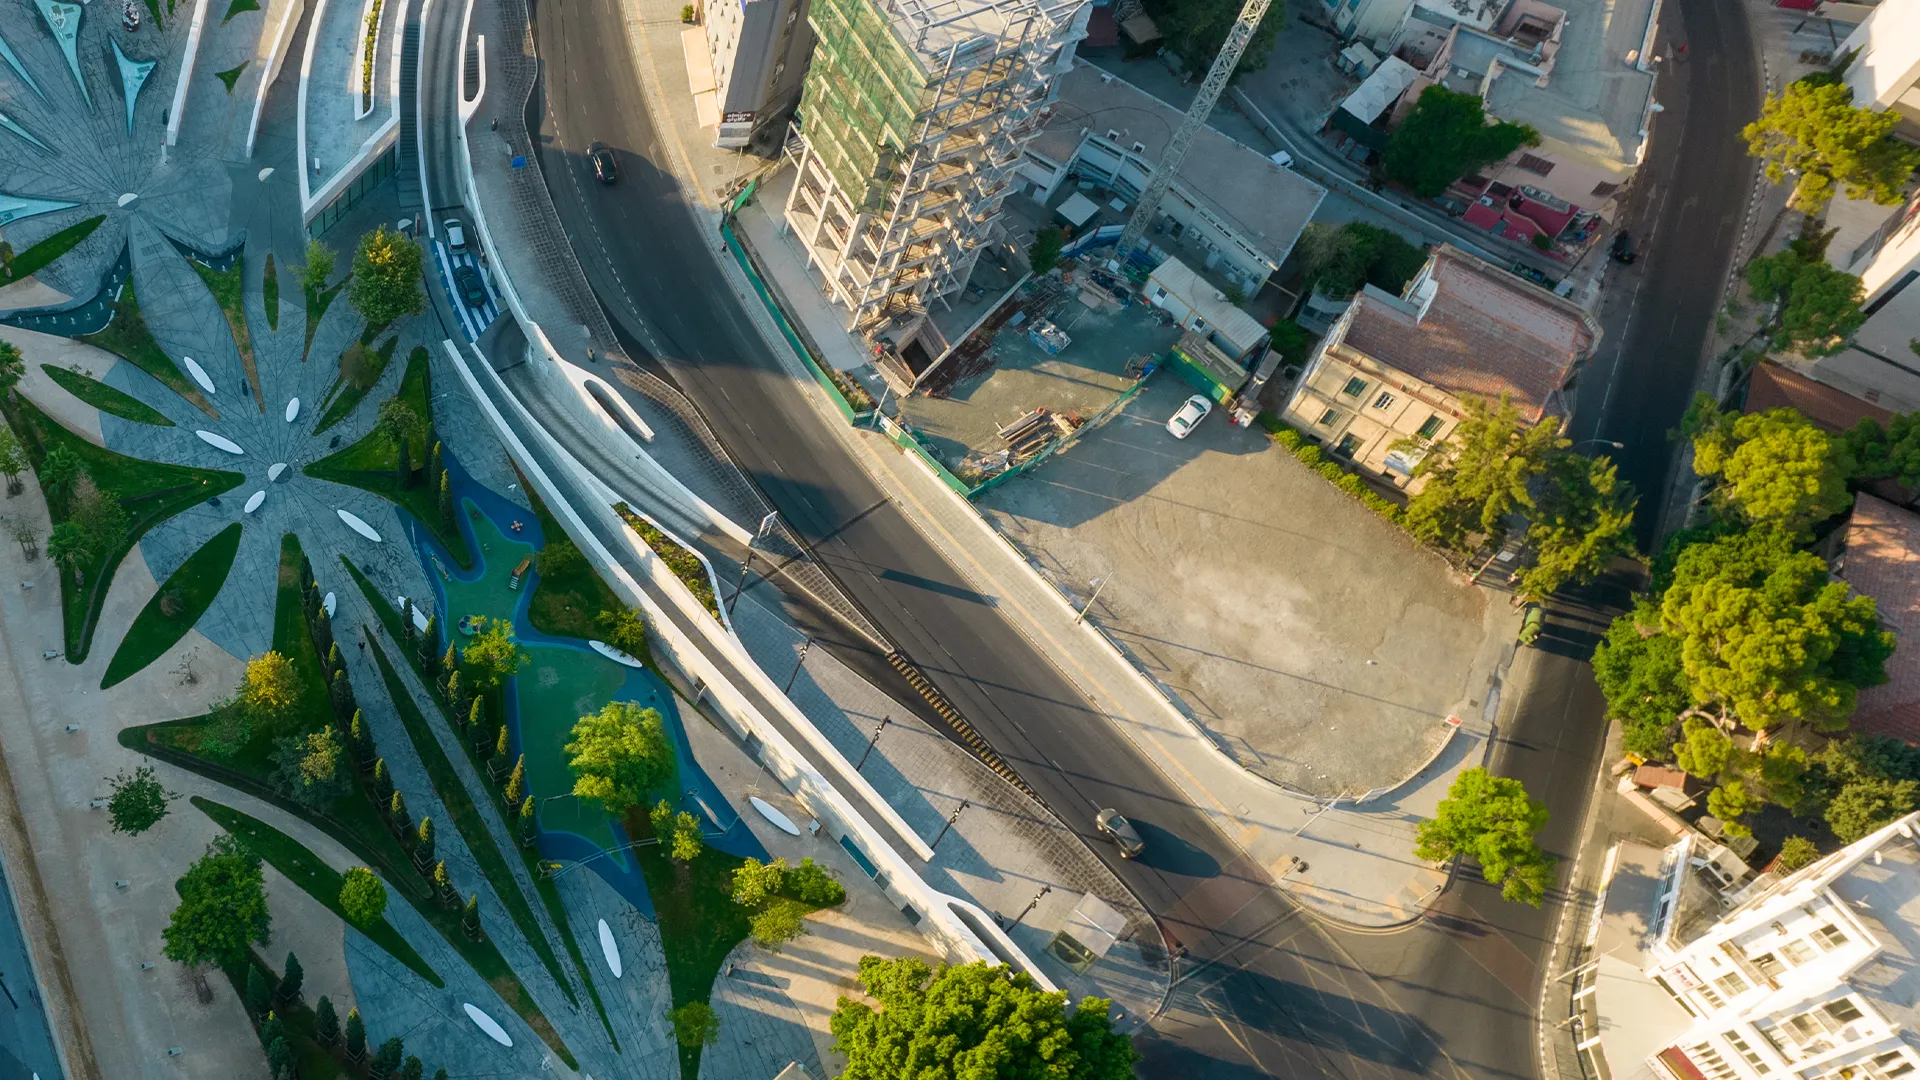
x: 1348, y: 444
x: 1710, y: 996
x: 1797, y: 952
x: 1432, y: 427
x: 1893, y: 1063
x: 1139, y: 148
x: 1329, y: 417
x: 1829, y: 937
x: 1769, y: 965
x: 1735, y: 1040
x: 1385, y: 400
x: 1533, y: 164
x: 1732, y: 983
x: 1355, y: 387
x: 1843, y: 1011
x: 1605, y: 189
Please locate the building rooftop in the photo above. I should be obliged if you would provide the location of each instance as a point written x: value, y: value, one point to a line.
x: 1266, y: 204
x: 938, y: 29
x: 1772, y: 387
x: 1221, y: 314
x: 1483, y: 332
x: 1637, y: 1018
x: 1883, y: 561
x: 1596, y: 99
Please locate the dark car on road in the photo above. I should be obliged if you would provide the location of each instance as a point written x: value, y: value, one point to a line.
x: 1622, y: 250
x: 472, y: 289
x: 605, y: 169
x: 1121, y: 832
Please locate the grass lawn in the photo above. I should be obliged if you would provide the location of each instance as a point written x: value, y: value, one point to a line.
x: 232, y: 75
x: 106, y: 398
x: 43, y: 253
x: 192, y: 587
x: 239, y: 7
x: 269, y: 281
x: 311, y: 873
x: 685, y: 564
x: 127, y: 337
x: 226, y: 288
x: 357, y: 376
x: 154, y: 6
x: 318, y: 301
x: 149, y: 491
x: 370, y: 464
x: 566, y: 605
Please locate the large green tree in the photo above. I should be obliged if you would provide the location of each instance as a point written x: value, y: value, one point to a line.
x: 362, y: 896
x: 386, y: 277
x: 1775, y: 468
x: 1482, y: 474
x: 1889, y: 452
x: 1583, y: 521
x: 1491, y: 820
x: 1195, y: 29
x: 1639, y: 671
x: 971, y: 1022
x: 491, y: 655
x: 1813, y: 132
x: 1339, y: 259
x: 12, y: 368
x: 1861, y: 783
x: 312, y: 768
x: 620, y: 754
x: 138, y: 801
x: 223, y: 907
x: 1821, y: 305
x: 1445, y: 137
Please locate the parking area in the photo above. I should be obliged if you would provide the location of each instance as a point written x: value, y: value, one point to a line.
x: 1321, y: 647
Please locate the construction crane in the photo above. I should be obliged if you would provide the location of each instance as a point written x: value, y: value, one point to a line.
x: 1157, y: 184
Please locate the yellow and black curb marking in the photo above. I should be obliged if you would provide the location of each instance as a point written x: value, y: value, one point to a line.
x: 959, y: 724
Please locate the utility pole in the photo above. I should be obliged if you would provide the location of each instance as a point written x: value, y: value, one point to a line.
x: 1216, y: 82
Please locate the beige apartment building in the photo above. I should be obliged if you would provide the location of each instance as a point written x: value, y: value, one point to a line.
x: 1396, y: 371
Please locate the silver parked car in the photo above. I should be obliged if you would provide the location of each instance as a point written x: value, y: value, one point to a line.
x: 1120, y: 831
x: 1182, y: 423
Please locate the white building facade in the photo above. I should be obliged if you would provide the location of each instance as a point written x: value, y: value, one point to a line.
x: 757, y: 52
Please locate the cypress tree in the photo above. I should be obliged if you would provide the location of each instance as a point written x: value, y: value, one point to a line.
x: 397, y: 812
x: 341, y: 691
x: 517, y: 782
x: 430, y: 646
x: 382, y: 780
x: 280, y: 1060
x: 322, y: 630
x: 272, y: 1029
x: 412, y: 1070
x: 309, y: 602
x: 356, y: 1037
x: 440, y: 1074
x: 529, y: 825
x: 403, y: 464
x: 477, y: 714
x: 307, y: 583
x: 326, y: 1023
x: 407, y: 629
x: 470, y: 918
x: 386, y: 1060
x: 500, y: 743
x: 446, y: 501
x: 454, y: 691
x: 433, y: 460
x: 259, y: 993
x: 291, y: 980
x: 360, y: 738
x: 444, y: 882
x: 334, y: 663
x: 423, y: 841
x: 451, y: 660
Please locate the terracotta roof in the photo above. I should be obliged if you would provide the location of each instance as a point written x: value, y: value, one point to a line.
x: 1773, y: 386
x: 1658, y: 776
x: 1485, y: 332
x: 1883, y: 561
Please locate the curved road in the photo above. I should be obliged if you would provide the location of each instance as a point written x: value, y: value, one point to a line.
x: 1266, y: 991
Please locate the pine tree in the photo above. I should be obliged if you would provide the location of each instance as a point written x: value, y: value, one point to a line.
x: 386, y: 1060
x: 326, y: 1023
x: 477, y: 715
x: 470, y: 918
x: 517, y: 782
x: 407, y: 629
x: 322, y: 630
x: 342, y: 693
x: 430, y: 646
x: 412, y: 1070
x: 450, y: 661
x: 529, y: 826
x: 382, y: 780
x: 259, y: 992
x: 403, y: 464
x: 334, y: 663
x: 281, y: 1064
x: 444, y: 882
x: 397, y: 812
x: 423, y: 841
x: 454, y: 692
x: 356, y: 1037
x: 361, y: 739
x: 440, y: 1074
x: 500, y: 742
x: 446, y: 501
x: 272, y: 1029
x: 291, y: 980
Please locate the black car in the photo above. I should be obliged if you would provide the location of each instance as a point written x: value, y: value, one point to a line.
x: 605, y: 169
x: 472, y: 289
x: 1622, y: 250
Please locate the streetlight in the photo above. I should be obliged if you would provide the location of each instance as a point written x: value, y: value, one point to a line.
x: 1603, y: 442
x: 1034, y: 903
x: 766, y: 525
x: 797, y: 665
x: 951, y: 818
x: 1099, y: 583
x: 871, y: 743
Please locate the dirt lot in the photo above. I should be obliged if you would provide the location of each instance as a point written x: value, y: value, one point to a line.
x: 1320, y: 646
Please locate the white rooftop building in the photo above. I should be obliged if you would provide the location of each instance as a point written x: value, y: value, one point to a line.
x: 1814, y: 976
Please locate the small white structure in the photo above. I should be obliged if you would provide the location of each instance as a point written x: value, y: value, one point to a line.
x: 126, y: 198
x: 1197, y: 306
x: 419, y: 617
x: 293, y: 409
x: 199, y: 374
x: 609, y: 948
x: 772, y: 814
x: 274, y: 470
x: 614, y: 654
x: 487, y: 1024
x: 220, y: 442
x: 254, y: 500
x: 329, y: 602
x: 358, y: 526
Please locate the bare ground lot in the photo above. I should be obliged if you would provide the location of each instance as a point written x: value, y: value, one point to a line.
x: 1318, y: 644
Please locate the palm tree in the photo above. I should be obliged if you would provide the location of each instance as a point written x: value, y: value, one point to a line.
x: 59, y: 472
x: 72, y: 548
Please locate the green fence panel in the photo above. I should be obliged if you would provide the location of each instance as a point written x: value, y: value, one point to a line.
x: 740, y: 253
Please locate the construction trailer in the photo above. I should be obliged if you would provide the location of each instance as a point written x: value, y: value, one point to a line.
x: 912, y: 121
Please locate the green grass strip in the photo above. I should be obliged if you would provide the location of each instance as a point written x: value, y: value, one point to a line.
x: 154, y: 6
x: 685, y: 564
x: 193, y: 587
x: 312, y: 1060
x: 225, y: 285
x: 149, y: 491
x: 105, y: 398
x: 466, y: 817
x: 351, y: 393
x: 43, y: 253
x: 370, y: 464
x: 311, y: 873
x: 699, y: 922
x: 239, y: 7
x: 269, y: 284
x: 127, y: 337
x: 318, y: 301
x: 566, y: 604
x: 231, y: 76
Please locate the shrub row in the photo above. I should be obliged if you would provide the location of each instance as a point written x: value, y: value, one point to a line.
x: 1316, y: 459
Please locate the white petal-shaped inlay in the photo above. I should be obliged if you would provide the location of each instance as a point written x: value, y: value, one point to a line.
x: 611, y: 950
x: 772, y: 814
x: 614, y: 654
x: 199, y: 374
x: 329, y: 603
x: 274, y: 470
x: 127, y: 198
x: 293, y: 409
x: 253, y: 501
x: 220, y: 441
x: 485, y: 1023
x: 358, y: 526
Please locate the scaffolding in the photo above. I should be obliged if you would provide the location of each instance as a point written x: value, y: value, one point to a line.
x: 912, y: 121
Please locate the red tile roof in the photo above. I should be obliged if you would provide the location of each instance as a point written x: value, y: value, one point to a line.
x: 1883, y: 561
x: 1485, y: 333
x: 1773, y: 386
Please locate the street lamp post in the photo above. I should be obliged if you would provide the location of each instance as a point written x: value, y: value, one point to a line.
x: 746, y: 562
x: 1031, y: 904
x: 1099, y: 583
x: 797, y: 665
x: 951, y: 818
x: 871, y: 743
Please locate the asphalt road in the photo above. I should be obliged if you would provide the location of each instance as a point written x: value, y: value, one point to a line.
x: 1265, y: 990
x: 26, y: 1042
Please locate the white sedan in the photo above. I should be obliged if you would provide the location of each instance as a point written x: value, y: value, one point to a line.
x: 1183, y: 422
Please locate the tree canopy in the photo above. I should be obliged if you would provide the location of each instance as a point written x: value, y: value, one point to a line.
x: 1775, y: 468
x: 138, y: 801
x: 312, y: 768
x: 1582, y: 522
x: 270, y: 687
x: 318, y: 267
x: 492, y: 654
x: 12, y: 367
x: 1491, y: 820
x: 619, y: 755
x: 1890, y: 452
x: 362, y: 896
x: 223, y: 907
x: 1822, y: 306
x: 1339, y: 259
x: 386, y: 277
x: 1481, y: 474
x: 1044, y: 253
x: 959, y: 1023
x: 1813, y: 131
x: 1196, y: 29
x: 1639, y: 672
x: 1445, y: 137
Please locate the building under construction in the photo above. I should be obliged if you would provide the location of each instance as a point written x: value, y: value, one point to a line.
x: 912, y: 121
